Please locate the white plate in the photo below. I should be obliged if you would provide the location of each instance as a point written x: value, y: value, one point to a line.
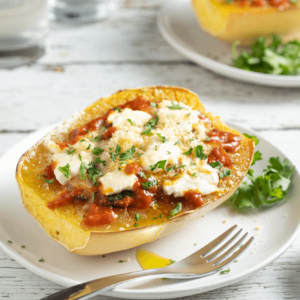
x: 281, y: 226
x: 179, y: 26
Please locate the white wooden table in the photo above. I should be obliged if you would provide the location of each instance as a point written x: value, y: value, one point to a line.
x: 85, y: 62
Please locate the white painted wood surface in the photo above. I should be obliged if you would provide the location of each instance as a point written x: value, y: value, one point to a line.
x: 128, y: 51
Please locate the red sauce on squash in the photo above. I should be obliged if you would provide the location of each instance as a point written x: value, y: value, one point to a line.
x: 64, y: 199
x: 219, y: 154
x: 133, y: 168
x: 109, y: 133
x: 49, y: 171
x: 229, y: 141
x: 193, y: 198
x: 263, y: 3
x: 98, y: 216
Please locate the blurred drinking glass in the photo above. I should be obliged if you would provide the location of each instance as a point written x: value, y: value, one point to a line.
x: 82, y: 11
x: 23, y: 28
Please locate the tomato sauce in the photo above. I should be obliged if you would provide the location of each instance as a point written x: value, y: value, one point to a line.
x: 133, y: 168
x: 218, y: 154
x: 49, y: 171
x: 109, y: 133
x: 64, y: 199
x: 229, y: 141
x: 98, y: 216
x: 193, y: 198
x: 263, y: 3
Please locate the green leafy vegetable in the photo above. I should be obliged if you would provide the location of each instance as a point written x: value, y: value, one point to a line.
x: 150, y: 125
x: 97, y: 150
x: 96, y: 139
x: 199, y: 152
x: 176, y: 210
x: 223, y: 172
x: 163, y: 138
x: 128, y: 154
x: 70, y: 151
x: 160, y: 164
x: 65, y: 170
x: 188, y: 152
x: 175, y: 106
x: 271, y: 58
x: 49, y: 181
x: 267, y: 189
x: 113, y: 156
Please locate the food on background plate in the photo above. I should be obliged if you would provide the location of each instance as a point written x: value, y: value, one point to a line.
x: 246, y: 20
x: 131, y: 168
x: 275, y: 57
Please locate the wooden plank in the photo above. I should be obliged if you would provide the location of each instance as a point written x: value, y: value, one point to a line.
x: 44, y: 96
x: 279, y: 280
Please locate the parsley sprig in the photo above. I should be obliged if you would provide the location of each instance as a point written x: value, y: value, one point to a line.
x: 267, y: 189
x: 271, y: 58
x: 150, y: 125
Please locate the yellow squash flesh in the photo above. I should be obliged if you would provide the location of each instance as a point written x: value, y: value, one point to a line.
x: 64, y: 225
x: 231, y: 22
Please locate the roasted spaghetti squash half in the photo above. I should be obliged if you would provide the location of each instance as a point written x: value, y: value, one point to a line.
x: 246, y: 20
x: 131, y: 168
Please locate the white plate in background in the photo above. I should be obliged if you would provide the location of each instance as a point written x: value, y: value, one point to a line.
x: 281, y: 225
x: 178, y: 24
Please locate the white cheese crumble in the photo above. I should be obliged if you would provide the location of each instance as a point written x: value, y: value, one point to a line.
x: 205, y: 183
x: 158, y: 151
x: 62, y: 159
x: 128, y: 117
x: 116, y: 182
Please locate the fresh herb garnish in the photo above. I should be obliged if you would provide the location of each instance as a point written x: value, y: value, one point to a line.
x: 135, y: 224
x: 118, y: 109
x: 257, y: 155
x: 153, y: 104
x: 128, y: 154
x: 88, y: 147
x: 9, y: 241
x: 276, y: 58
x: 147, y: 185
x: 131, y: 123
x: 150, y: 125
x: 172, y: 261
x: 23, y: 246
x: 70, y: 151
x: 41, y: 260
x: 177, y: 143
x: 199, y: 152
x: 175, y: 106
x: 113, y: 156
x: 163, y: 138
x: 223, y: 172
x: 120, y: 196
x: 176, y: 210
x: 65, y: 170
x: 225, y: 271
x: 137, y: 217
x: 160, y: 165
x: 97, y: 150
x: 194, y: 174
x: 96, y: 139
x: 93, y: 197
x: 49, y: 181
x: 80, y: 158
x: 188, y: 152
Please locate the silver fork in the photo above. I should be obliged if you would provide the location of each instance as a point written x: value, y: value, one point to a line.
x: 199, y: 264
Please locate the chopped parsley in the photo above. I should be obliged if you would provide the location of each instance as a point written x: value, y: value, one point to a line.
x: 131, y: 123
x: 142, y: 174
x: 41, y: 260
x: 128, y: 154
x: 223, y: 172
x: 176, y: 210
x: 135, y: 224
x: 70, y: 151
x: 99, y: 161
x: 79, y: 157
x: 49, y: 181
x: 97, y: 150
x: 155, y: 218
x: 9, y: 241
x: 168, y: 169
x: 113, y: 156
x: 194, y: 174
x: 160, y: 216
x: 175, y: 106
x: 23, y: 246
x: 65, y: 170
x: 153, y: 104
x: 225, y: 271
x: 206, y: 139
x: 199, y: 152
x: 188, y: 152
x: 160, y: 165
x: 137, y: 217
x: 121, y: 261
x: 88, y: 147
x: 96, y: 139
x: 118, y: 109
x: 172, y: 262
x: 150, y: 125
x: 163, y: 138
x: 177, y: 143
x: 82, y: 140
x: 147, y: 185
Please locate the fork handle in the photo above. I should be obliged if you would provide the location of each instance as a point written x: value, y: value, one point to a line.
x: 98, y: 286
